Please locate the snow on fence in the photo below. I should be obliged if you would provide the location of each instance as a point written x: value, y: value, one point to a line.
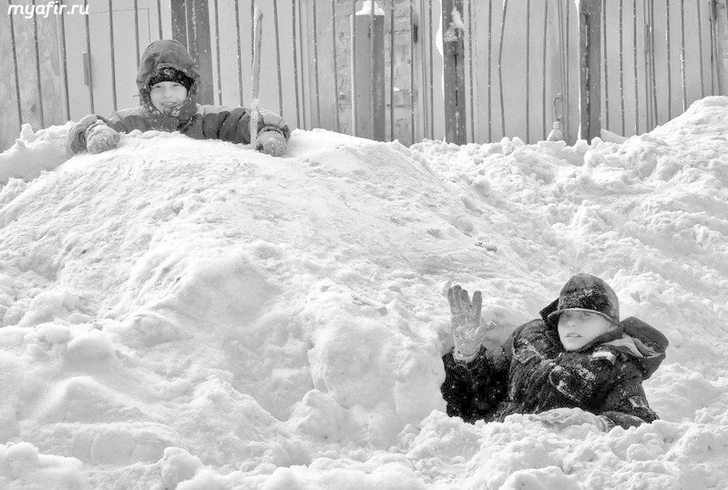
x: 463, y: 70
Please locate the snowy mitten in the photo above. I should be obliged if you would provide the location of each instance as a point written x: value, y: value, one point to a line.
x: 272, y: 143
x: 100, y: 138
x: 563, y: 417
x: 467, y: 331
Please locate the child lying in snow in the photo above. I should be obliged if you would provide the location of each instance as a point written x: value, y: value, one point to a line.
x: 578, y: 355
x: 168, y: 81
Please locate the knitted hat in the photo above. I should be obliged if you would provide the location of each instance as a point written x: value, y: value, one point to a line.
x: 587, y: 292
x: 169, y: 74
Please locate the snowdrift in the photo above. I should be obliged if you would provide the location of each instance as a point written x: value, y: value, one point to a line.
x: 193, y: 314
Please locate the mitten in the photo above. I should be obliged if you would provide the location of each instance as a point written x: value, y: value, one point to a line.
x: 467, y: 331
x: 271, y: 142
x: 100, y: 138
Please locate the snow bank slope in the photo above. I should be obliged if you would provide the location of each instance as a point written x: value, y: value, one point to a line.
x: 195, y: 313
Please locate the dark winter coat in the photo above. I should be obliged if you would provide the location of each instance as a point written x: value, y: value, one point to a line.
x: 532, y: 373
x: 194, y: 120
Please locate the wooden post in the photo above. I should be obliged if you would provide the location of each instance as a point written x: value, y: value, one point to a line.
x: 179, y: 22
x: 367, y: 67
x: 454, y: 68
x: 191, y: 27
x: 720, y: 13
x: 590, y: 96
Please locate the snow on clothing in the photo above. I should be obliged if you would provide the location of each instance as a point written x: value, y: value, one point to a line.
x: 532, y: 373
x: 192, y: 119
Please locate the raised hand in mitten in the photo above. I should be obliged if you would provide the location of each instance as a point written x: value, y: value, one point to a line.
x: 100, y: 138
x: 467, y: 331
x: 272, y: 143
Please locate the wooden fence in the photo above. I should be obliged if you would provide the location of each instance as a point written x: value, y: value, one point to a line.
x: 461, y: 70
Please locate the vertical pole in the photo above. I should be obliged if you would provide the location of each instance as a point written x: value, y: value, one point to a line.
x: 391, y: 70
x: 136, y: 31
x: 200, y: 46
x: 15, y: 71
x: 413, y: 33
x: 295, y: 62
x: 721, y: 44
x: 543, y: 62
x: 278, y: 57
x: 317, y: 91
x: 700, y: 49
x: 354, y: 87
x: 304, y: 66
x: 500, y: 67
x: 159, y: 18
x: 653, y: 68
x: 255, y: 74
x: 373, y: 74
x: 636, y: 81
x: 669, y: 59
x: 682, y: 56
x: 472, y: 86
x: 454, y: 67
x: 64, y: 65
x: 217, y: 51
x: 621, y: 61
x: 431, y: 65
x: 336, y: 66
x: 87, y: 61
x: 112, y: 58
x: 367, y: 67
x: 713, y: 48
x: 527, y: 75
x: 490, y: 70
x: 604, y: 59
x: 567, y: 119
x: 179, y: 22
x: 39, y: 85
x: 240, y: 55
x: 590, y: 68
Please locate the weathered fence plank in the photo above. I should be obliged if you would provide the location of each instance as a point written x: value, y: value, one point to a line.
x: 590, y: 68
x: 454, y: 67
x: 367, y: 68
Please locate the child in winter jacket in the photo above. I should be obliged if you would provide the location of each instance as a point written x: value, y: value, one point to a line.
x: 168, y: 81
x: 579, y: 355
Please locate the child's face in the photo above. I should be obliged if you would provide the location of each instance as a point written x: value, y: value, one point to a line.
x: 167, y: 96
x: 579, y: 327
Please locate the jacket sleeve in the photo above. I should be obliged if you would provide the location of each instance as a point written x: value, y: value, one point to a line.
x: 605, y: 383
x: 626, y: 404
x: 233, y: 125
x: 473, y: 390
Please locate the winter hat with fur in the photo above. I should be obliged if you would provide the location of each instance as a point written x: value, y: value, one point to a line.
x: 156, y: 60
x: 587, y: 292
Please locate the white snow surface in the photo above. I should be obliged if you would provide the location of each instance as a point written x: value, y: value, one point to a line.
x: 193, y: 314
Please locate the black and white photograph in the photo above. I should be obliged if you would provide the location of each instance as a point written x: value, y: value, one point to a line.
x: 364, y: 244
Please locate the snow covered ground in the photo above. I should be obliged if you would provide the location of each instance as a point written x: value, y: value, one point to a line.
x: 194, y: 314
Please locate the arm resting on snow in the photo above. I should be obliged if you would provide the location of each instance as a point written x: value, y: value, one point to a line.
x: 474, y: 389
x: 588, y: 380
x: 124, y: 121
x: 233, y: 125
x: 626, y: 405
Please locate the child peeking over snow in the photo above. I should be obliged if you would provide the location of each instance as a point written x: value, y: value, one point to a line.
x: 577, y: 356
x: 168, y: 81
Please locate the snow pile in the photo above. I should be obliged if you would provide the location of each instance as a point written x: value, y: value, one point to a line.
x: 193, y: 314
x: 34, y: 152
